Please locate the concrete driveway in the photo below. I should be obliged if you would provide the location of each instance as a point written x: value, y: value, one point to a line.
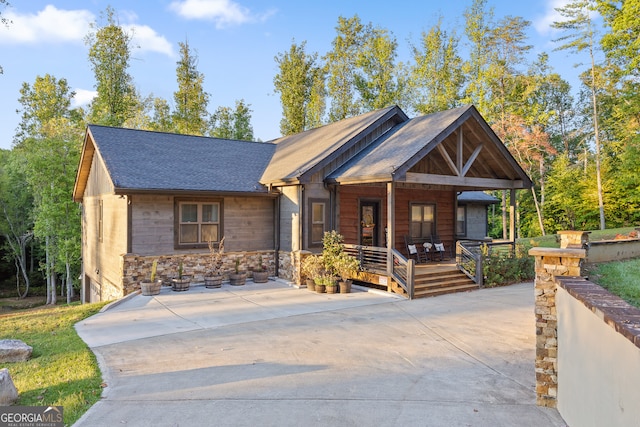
x: 273, y: 355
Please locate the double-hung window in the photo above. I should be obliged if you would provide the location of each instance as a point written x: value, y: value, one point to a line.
x: 422, y: 220
x: 318, y: 221
x: 198, y: 223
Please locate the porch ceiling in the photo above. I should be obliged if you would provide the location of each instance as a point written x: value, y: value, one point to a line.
x: 455, y: 148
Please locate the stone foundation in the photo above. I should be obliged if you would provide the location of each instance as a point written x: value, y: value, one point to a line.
x: 137, y: 268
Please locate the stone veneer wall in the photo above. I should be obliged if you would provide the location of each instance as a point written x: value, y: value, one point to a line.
x: 550, y: 262
x: 558, y: 273
x: 290, y: 266
x: 137, y: 268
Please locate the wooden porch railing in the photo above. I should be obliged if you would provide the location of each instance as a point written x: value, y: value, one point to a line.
x: 374, y: 260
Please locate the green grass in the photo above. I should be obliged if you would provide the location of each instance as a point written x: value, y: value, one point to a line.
x: 62, y: 370
x: 621, y: 278
x: 553, y: 240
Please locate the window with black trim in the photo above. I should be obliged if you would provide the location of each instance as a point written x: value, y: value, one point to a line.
x: 318, y: 221
x: 423, y: 220
x: 461, y: 221
x: 198, y: 222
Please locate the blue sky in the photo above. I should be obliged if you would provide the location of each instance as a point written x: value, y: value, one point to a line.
x: 235, y: 40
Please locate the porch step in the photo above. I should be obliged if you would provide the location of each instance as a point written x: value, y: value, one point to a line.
x: 440, y: 283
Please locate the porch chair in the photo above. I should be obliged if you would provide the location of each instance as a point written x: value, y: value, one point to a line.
x: 439, y: 250
x: 414, y: 250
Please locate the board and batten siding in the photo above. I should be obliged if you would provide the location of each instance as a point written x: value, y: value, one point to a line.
x: 290, y: 214
x: 350, y: 196
x: 248, y: 224
x: 98, y: 181
x: 101, y: 252
x: 476, y: 221
x: 104, y: 237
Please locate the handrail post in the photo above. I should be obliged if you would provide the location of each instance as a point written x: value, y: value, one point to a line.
x: 479, y: 270
x: 411, y: 277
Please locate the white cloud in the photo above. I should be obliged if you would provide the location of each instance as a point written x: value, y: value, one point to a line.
x: 543, y: 23
x: 148, y: 40
x: 50, y: 25
x: 83, y: 97
x: 224, y: 13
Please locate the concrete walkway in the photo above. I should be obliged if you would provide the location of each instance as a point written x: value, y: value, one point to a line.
x: 273, y: 355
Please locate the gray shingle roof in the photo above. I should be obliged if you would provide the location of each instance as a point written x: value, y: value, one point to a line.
x: 386, y: 155
x: 477, y: 197
x: 297, y: 154
x: 145, y: 160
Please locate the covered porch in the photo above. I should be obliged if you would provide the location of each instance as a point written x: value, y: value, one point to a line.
x: 405, y: 186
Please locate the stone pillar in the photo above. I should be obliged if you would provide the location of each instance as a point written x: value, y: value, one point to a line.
x: 574, y: 239
x: 550, y: 262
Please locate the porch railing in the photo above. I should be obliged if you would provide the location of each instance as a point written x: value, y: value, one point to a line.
x: 469, y: 256
x: 404, y: 272
x: 374, y: 260
x: 469, y: 260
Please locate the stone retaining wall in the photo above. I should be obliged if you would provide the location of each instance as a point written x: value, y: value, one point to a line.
x: 137, y: 268
x: 587, y: 342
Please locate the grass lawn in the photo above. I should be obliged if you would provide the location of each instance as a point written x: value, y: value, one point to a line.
x: 62, y: 370
x: 621, y: 278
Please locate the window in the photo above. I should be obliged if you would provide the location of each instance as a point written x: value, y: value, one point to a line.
x: 461, y: 221
x: 198, y: 223
x: 422, y: 220
x: 318, y: 221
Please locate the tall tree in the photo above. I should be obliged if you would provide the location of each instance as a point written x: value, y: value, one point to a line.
x: 109, y: 53
x: 232, y: 123
x: 47, y: 99
x: 161, y: 120
x: 436, y: 77
x: 16, y: 226
x: 376, y: 78
x: 300, y: 83
x: 50, y: 149
x: 190, y: 116
x: 478, y: 22
x: 341, y: 64
x: 580, y: 35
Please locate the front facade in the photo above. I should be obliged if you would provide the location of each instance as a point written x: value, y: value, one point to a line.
x: 375, y: 178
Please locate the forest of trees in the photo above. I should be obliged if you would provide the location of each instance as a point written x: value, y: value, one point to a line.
x: 580, y: 146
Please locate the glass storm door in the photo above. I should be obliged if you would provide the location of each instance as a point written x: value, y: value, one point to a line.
x: 369, y: 223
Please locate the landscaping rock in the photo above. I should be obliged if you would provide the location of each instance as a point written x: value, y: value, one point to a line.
x: 8, y: 392
x: 14, y: 351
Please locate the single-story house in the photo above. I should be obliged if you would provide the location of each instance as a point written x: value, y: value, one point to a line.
x: 374, y: 178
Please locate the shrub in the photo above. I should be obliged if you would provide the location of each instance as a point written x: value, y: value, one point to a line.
x: 504, y: 268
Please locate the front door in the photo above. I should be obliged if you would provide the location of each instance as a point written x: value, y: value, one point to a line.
x: 369, y: 222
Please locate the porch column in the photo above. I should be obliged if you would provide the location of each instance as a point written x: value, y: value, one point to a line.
x: 391, y: 220
x: 512, y: 216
